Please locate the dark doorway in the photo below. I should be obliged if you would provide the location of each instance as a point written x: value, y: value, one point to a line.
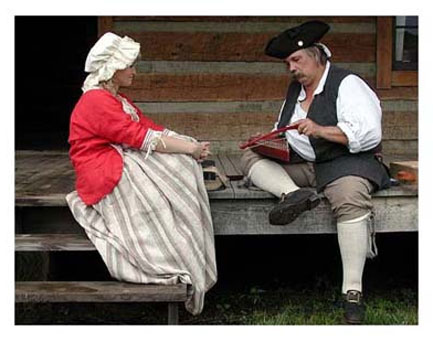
x: 50, y: 52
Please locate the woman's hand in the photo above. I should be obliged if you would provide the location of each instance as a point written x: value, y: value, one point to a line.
x: 198, y: 150
x: 201, y: 150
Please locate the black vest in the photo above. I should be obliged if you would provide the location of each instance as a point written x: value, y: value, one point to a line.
x: 334, y: 160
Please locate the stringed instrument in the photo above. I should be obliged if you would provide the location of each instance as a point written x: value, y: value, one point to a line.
x: 272, y: 145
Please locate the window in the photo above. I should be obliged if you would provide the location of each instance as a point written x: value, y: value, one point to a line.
x: 405, y: 43
x: 397, y: 52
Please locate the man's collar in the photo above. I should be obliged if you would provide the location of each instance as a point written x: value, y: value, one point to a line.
x: 320, y: 86
x: 322, y: 81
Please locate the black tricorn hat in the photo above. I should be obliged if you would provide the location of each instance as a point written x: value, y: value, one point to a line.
x: 296, y: 38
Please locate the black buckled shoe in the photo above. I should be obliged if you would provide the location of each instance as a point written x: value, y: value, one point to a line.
x: 354, y: 307
x: 292, y: 205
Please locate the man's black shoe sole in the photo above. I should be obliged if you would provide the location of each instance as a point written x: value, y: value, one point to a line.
x: 352, y: 321
x: 285, y: 214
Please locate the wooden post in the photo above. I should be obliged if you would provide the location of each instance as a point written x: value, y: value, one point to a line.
x: 173, y: 314
x: 105, y: 24
x: 384, y: 52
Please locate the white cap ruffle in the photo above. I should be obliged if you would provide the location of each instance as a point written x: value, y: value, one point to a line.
x: 109, y: 54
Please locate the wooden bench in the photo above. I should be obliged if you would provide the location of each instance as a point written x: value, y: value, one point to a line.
x: 88, y: 291
x: 101, y: 292
x: 44, y: 223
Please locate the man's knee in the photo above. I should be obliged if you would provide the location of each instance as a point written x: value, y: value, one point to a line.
x: 350, y: 197
x: 248, y: 159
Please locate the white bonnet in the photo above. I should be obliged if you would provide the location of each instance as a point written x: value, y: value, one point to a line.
x: 109, y: 54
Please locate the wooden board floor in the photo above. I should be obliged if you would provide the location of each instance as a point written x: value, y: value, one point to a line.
x: 42, y: 179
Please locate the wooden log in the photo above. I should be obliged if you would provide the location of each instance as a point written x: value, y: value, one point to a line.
x: 240, y: 126
x: 242, y: 46
x: 398, y: 93
x: 390, y: 147
x: 271, y: 106
x: 239, y: 26
x: 397, y: 146
x: 181, y: 18
x: 209, y: 87
x: 278, y: 67
x: 109, y: 291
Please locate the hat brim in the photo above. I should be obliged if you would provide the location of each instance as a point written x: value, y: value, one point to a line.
x: 296, y: 38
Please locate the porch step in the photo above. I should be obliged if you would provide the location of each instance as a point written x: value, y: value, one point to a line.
x: 52, y: 242
x: 93, y: 291
x: 102, y: 292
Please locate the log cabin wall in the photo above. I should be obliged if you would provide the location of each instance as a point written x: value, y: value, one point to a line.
x: 208, y: 77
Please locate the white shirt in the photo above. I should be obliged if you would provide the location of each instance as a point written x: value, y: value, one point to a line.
x: 358, y: 113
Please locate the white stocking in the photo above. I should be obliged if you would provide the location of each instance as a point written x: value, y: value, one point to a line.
x: 270, y: 176
x: 353, y: 241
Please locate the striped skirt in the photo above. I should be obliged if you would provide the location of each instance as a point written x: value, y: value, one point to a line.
x: 155, y: 227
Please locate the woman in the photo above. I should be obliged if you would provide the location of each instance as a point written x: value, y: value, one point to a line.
x: 140, y: 194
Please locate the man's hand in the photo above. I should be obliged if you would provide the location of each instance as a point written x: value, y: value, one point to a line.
x: 331, y: 133
x: 308, y: 127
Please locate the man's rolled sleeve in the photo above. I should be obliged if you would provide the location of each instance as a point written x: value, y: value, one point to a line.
x: 353, y: 144
x: 359, y: 114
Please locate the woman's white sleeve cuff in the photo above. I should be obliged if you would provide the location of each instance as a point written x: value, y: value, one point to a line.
x: 353, y: 143
x: 151, y: 140
x: 167, y: 132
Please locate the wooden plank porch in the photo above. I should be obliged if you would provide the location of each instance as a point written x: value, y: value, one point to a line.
x: 44, y: 178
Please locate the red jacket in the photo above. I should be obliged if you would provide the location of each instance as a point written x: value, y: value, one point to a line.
x: 97, y: 121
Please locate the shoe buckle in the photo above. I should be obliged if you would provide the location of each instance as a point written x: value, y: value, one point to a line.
x: 353, y: 296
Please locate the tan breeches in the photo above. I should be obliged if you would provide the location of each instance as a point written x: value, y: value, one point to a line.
x: 349, y: 196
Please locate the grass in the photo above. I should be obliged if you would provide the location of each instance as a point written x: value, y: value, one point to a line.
x: 306, y: 307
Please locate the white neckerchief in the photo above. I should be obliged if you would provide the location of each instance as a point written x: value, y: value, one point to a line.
x: 129, y: 109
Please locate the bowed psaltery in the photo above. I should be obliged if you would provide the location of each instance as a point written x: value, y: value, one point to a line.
x: 272, y: 144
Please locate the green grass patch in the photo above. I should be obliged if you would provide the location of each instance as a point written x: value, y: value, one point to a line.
x: 286, y: 306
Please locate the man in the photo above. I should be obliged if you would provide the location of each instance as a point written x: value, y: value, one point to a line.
x: 334, y: 149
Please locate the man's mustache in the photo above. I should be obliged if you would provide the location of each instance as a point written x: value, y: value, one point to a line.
x: 296, y: 74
